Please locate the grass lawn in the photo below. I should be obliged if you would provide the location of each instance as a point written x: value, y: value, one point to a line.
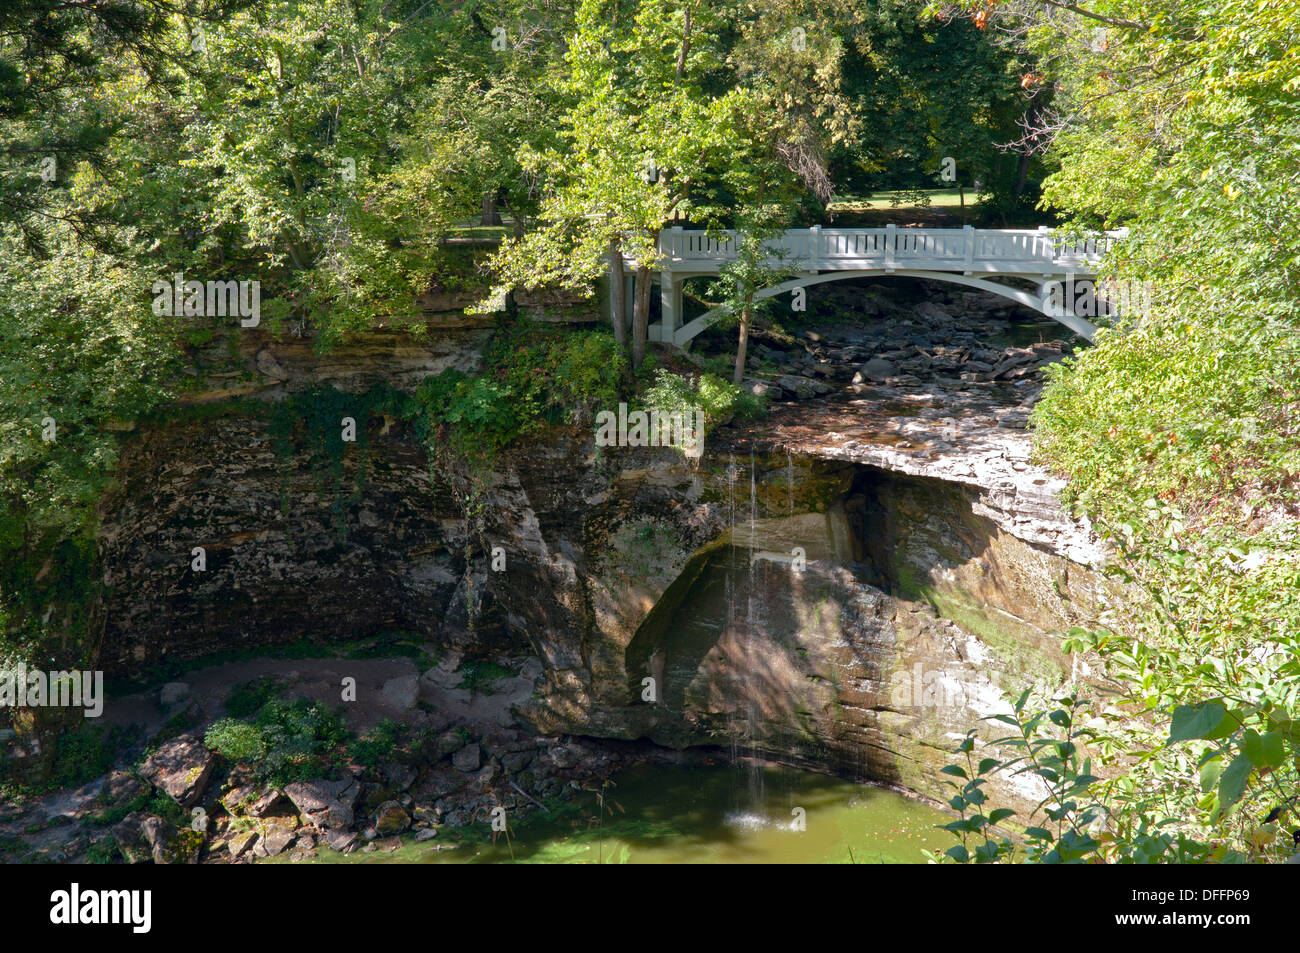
x: 883, y: 201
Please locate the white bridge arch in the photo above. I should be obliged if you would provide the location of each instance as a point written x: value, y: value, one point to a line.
x: 965, y: 256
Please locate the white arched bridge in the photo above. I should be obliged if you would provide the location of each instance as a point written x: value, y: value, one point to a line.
x: 976, y: 257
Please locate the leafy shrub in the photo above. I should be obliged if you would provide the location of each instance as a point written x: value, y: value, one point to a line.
x: 79, y: 346
x: 533, y: 376
x: 103, y: 851
x: 1070, y: 824
x: 379, y: 745
x: 248, y: 698
x: 285, y: 742
x: 236, y: 740
x: 79, y: 755
x: 720, y: 400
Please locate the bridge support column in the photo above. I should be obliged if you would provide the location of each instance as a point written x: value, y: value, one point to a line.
x: 670, y: 304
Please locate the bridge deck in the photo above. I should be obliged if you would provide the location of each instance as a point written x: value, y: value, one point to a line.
x: 966, y: 255
x: 968, y: 250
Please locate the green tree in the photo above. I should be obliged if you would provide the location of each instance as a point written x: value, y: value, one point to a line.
x: 1177, y: 429
x: 739, y: 282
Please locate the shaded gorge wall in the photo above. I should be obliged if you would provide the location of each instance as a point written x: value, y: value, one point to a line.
x: 822, y: 612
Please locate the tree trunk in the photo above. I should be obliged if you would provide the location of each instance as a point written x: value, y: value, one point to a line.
x: 742, y: 345
x: 617, y: 294
x: 1022, y: 173
x: 640, y: 315
x: 488, y: 215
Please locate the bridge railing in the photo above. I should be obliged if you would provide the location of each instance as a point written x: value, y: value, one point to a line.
x: 826, y: 249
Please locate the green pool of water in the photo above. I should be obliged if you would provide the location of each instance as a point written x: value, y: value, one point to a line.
x: 716, y: 815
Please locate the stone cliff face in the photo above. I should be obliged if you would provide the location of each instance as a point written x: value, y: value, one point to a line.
x: 848, y: 586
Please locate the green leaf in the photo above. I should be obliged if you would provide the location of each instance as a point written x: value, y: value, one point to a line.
x: 1196, y: 721
x: 1265, y: 751
x: 1232, y: 784
x: 1210, y: 772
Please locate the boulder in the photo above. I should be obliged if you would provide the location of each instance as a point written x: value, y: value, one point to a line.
x: 568, y: 756
x: 173, y: 692
x: 269, y: 803
x: 325, y: 804
x: 237, y: 799
x: 240, y: 843
x: 800, y: 387
x: 391, y: 818
x: 515, y: 761
x: 345, y: 842
x: 268, y: 365
x: 1012, y: 358
x: 449, y: 742
x: 401, y: 693
x: 121, y: 787
x: 181, y: 768
x: 130, y: 838
x: 142, y: 837
x: 468, y: 758
x: 397, y: 777
x: 931, y: 313
x: 877, y: 369
x: 276, y: 839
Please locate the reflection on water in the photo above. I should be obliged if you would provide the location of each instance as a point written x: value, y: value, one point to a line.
x: 658, y: 815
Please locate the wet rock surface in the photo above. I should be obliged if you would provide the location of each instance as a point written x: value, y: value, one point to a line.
x: 934, y: 391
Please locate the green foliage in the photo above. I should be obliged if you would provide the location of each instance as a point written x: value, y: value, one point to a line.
x: 379, y: 745
x: 1069, y: 825
x: 1177, y: 431
x: 236, y: 740
x: 247, y: 698
x: 533, y: 376
x: 84, y: 754
x: 103, y: 851
x: 284, y: 742
x: 113, y: 812
x: 720, y: 400
x: 80, y: 755
x: 1197, y: 410
x: 80, y: 353
x: 479, y: 674
x: 310, y: 423
x: 929, y: 88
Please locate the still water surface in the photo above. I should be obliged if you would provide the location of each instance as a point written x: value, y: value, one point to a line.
x: 710, y: 815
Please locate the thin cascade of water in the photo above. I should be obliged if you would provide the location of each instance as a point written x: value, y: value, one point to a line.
x: 753, y: 717
x: 789, y: 480
x: 728, y: 619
